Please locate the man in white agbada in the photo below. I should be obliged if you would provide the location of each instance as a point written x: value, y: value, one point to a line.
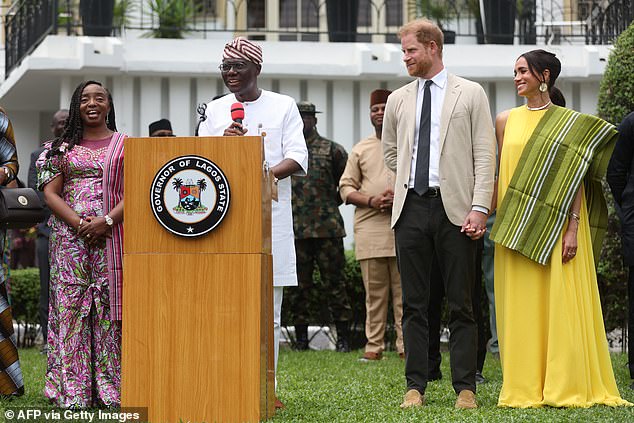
x: 275, y: 115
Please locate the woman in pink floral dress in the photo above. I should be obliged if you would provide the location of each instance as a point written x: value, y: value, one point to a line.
x: 81, y: 174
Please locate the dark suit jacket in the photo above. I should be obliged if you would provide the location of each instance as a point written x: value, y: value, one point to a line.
x: 42, y: 228
x: 620, y: 177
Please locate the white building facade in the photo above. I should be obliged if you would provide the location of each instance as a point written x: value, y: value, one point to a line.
x: 168, y: 78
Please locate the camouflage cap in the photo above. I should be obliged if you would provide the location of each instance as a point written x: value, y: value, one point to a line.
x: 307, y: 107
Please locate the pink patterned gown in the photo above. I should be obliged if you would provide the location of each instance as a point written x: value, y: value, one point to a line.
x: 84, y: 359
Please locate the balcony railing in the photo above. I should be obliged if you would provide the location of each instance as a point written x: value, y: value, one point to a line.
x: 501, y: 21
x: 26, y: 25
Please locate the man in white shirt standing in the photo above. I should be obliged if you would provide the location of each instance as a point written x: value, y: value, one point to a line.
x: 276, y: 116
x: 438, y: 138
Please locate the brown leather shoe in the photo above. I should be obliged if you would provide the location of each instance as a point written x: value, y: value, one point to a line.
x: 413, y: 398
x: 466, y: 400
x: 371, y: 356
x: 278, y: 404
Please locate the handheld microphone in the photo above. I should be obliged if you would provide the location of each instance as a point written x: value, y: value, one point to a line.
x: 237, y: 112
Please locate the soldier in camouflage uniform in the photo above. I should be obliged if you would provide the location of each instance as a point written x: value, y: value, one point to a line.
x: 319, y: 231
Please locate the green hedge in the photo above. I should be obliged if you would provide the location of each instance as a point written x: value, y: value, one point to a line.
x: 616, y: 99
x: 318, y: 306
x: 616, y: 91
x: 25, y: 296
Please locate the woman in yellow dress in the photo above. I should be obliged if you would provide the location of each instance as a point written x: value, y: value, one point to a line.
x: 553, y: 345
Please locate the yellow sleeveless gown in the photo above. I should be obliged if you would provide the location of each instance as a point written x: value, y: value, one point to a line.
x: 553, y: 345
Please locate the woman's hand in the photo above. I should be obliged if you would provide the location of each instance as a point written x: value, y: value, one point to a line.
x: 569, y: 242
x: 94, y: 230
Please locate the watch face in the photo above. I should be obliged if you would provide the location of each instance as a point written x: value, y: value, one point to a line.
x: 108, y: 220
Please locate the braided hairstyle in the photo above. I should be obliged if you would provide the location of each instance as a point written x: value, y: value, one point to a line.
x: 540, y: 60
x: 74, y: 128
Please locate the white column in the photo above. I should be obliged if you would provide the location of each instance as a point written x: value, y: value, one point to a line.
x: 265, y: 84
x: 588, y: 97
x: 206, y: 89
x: 316, y: 94
x: 291, y: 88
x: 342, y: 105
x: 149, y: 103
x: 506, y: 96
x: 180, y: 111
x: 66, y: 88
x: 123, y: 97
x: 343, y: 133
x: 366, y: 127
x: 272, y: 19
x: 26, y: 129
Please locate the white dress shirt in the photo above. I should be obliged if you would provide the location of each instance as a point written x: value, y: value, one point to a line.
x: 438, y: 89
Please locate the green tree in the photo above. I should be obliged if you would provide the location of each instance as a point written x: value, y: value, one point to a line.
x: 616, y: 99
x: 177, y: 183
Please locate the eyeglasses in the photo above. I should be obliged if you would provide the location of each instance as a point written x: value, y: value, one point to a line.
x: 238, y: 67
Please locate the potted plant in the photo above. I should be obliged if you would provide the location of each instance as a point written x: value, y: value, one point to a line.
x: 172, y: 16
x: 526, y: 21
x: 474, y: 9
x: 122, y: 11
x: 96, y: 17
x: 438, y: 11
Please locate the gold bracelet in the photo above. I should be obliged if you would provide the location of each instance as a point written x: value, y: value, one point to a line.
x: 574, y: 216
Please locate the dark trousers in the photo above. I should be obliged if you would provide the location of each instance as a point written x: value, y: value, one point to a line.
x: 328, y: 255
x: 436, y: 297
x: 41, y: 249
x: 423, y: 230
x: 630, y: 322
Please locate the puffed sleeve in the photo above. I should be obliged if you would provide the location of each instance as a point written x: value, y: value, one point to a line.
x: 8, y: 152
x: 48, y: 168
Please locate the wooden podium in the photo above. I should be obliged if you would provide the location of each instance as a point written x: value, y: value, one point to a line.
x: 198, y: 312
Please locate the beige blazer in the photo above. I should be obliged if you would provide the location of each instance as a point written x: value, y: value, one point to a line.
x: 467, y: 146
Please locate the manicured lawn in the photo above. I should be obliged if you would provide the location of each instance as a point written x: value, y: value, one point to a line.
x: 325, y: 386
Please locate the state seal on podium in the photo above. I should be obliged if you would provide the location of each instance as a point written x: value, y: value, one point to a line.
x: 190, y: 196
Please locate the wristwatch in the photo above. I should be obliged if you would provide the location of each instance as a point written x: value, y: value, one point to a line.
x: 109, y: 221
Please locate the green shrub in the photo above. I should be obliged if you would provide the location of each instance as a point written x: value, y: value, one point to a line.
x: 25, y: 297
x: 616, y: 92
x: 318, y: 305
x: 616, y: 99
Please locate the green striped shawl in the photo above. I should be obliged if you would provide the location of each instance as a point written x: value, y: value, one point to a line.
x: 565, y: 147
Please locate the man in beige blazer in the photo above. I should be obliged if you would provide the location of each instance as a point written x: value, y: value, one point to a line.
x: 438, y: 138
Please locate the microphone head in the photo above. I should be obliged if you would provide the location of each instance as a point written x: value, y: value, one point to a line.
x: 237, y: 111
